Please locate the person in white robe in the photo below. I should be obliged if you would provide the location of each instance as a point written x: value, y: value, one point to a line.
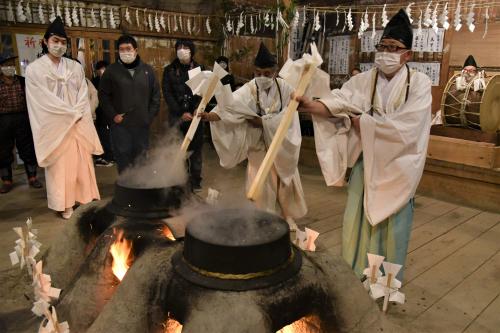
x: 60, y: 117
x: 244, y: 129
x: 378, y: 123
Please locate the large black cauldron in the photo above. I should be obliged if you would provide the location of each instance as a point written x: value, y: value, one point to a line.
x: 237, y: 249
x: 149, y: 203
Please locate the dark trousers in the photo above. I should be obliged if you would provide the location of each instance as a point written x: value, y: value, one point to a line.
x: 15, y: 130
x: 103, y: 131
x: 195, y: 158
x: 128, y: 143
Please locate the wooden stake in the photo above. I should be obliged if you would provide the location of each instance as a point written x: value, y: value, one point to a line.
x: 387, y: 293
x: 258, y: 182
x: 373, y: 278
x: 201, y: 108
x: 48, y: 314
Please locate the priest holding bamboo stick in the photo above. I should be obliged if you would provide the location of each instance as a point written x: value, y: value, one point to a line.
x: 245, y: 129
x: 378, y: 123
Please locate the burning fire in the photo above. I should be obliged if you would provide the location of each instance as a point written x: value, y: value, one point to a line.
x: 120, y: 250
x: 308, y: 324
x: 167, y: 233
x: 172, y: 326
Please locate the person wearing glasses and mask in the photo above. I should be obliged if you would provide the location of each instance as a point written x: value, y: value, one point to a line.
x: 245, y: 129
x: 63, y: 131
x: 129, y: 96
x: 14, y: 126
x: 378, y: 123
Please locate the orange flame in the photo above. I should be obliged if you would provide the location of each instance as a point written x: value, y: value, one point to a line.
x: 120, y: 250
x: 167, y: 233
x: 172, y: 326
x: 308, y: 324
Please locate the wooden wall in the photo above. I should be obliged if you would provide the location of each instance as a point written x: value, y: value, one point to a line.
x: 241, y: 52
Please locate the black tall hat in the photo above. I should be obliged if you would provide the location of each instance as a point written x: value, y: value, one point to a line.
x: 399, y: 28
x: 470, y: 61
x: 55, y: 28
x: 264, y: 58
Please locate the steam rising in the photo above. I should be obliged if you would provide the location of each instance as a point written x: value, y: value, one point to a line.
x: 162, y: 166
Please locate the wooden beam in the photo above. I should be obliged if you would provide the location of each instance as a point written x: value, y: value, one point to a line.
x: 466, y: 152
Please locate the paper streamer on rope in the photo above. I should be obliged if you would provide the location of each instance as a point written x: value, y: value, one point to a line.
x: 457, y: 21
x: 427, y: 15
x: 470, y: 18
x: 486, y: 17
x: 385, y: 20
x: 444, y: 18
x: 162, y: 22
x: 50, y: 324
x: 20, y: 12
x: 209, y: 29
x: 435, y: 19
x: 83, y: 18
x: 41, y: 16
x: 150, y: 22
x: 74, y: 16
x: 345, y: 21
x: 137, y: 21
x: 349, y: 20
x: 419, y: 29
x: 67, y: 17
x: 112, y: 22
x: 29, y: 16
x: 408, y: 11
x: 27, y: 246
x: 374, y: 23
x: 127, y: 16
x: 317, y: 25
x: 42, y: 284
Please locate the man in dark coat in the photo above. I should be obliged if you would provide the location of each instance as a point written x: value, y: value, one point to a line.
x: 182, y: 104
x: 14, y: 126
x: 129, y: 95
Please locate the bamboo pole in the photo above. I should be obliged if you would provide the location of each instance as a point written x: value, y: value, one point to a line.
x: 201, y: 108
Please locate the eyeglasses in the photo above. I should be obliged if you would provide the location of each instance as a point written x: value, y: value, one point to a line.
x: 390, y: 48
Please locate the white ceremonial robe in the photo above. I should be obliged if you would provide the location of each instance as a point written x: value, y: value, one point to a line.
x: 63, y: 131
x: 235, y: 140
x: 393, y: 140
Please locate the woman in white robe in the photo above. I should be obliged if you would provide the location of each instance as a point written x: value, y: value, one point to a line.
x: 63, y: 132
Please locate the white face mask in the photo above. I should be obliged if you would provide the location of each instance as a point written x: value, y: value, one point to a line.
x: 388, y: 62
x: 9, y: 70
x: 264, y: 82
x: 184, y: 55
x: 127, y: 57
x: 57, y: 49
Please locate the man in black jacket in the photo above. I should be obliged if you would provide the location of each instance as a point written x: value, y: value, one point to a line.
x: 14, y: 126
x: 182, y: 104
x: 129, y: 95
